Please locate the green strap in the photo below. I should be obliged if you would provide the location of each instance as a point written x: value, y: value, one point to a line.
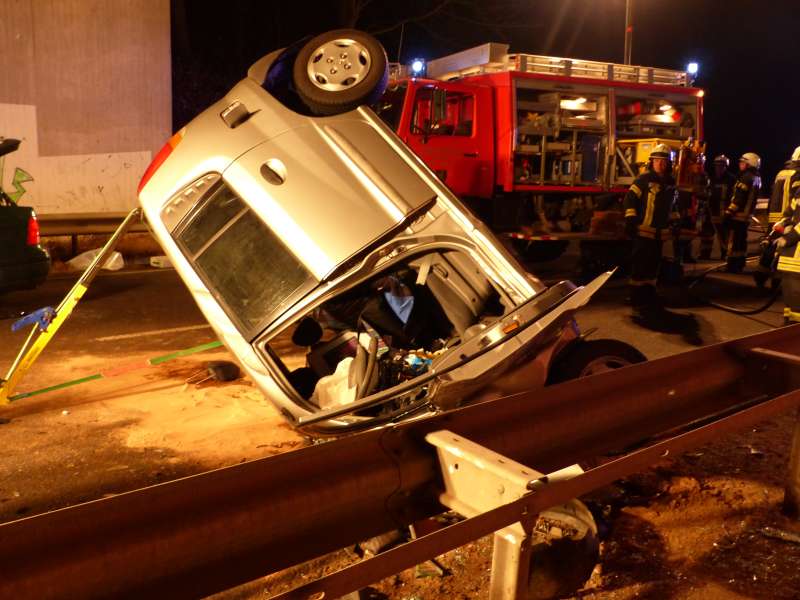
x: 153, y: 361
x: 162, y: 359
x: 53, y: 388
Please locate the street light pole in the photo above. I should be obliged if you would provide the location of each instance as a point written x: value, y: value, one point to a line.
x: 628, y: 30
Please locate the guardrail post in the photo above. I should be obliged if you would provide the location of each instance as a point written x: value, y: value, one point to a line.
x: 477, y: 480
x: 791, y: 499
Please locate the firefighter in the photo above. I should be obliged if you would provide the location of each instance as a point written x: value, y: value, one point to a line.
x: 649, y: 213
x: 783, y: 187
x: 722, y: 182
x: 789, y: 257
x: 737, y: 215
x: 786, y: 184
x: 692, y: 203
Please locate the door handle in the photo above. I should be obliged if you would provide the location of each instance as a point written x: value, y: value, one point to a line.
x: 471, y: 154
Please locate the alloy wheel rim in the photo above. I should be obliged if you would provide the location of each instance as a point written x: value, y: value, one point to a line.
x: 338, y: 65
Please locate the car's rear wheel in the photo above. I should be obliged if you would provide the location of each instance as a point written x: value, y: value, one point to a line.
x: 590, y: 357
x: 339, y: 70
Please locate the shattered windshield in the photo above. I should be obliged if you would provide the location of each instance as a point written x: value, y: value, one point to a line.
x: 242, y: 262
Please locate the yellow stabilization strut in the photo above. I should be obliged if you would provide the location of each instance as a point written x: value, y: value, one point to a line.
x: 47, y: 321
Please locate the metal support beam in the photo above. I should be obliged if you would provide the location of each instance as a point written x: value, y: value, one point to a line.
x: 202, y: 534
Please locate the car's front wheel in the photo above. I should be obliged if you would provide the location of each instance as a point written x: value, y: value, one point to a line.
x: 340, y: 70
x: 590, y: 357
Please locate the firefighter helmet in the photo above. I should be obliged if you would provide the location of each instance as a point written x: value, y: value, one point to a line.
x: 722, y: 160
x: 796, y: 154
x: 661, y: 151
x: 752, y: 160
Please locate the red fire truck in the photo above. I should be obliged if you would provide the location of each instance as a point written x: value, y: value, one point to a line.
x: 519, y: 135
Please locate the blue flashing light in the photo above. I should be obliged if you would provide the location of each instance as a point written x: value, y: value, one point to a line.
x: 418, y: 67
x: 692, y: 68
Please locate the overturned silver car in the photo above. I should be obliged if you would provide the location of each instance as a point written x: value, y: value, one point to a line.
x: 352, y: 285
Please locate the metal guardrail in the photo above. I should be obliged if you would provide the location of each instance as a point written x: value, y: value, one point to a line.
x: 84, y: 223
x: 205, y: 533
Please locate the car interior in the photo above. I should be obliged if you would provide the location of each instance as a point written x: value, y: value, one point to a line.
x: 387, y: 329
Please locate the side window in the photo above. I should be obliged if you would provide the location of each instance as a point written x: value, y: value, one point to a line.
x: 439, y: 112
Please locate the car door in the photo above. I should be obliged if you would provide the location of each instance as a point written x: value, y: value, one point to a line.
x: 330, y: 190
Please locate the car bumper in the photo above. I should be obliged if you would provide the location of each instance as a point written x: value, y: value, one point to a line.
x: 26, y: 273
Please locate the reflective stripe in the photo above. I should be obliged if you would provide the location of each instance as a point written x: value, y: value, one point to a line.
x: 788, y: 313
x: 788, y: 264
x: 652, y: 191
x: 636, y: 190
x: 630, y: 212
x: 788, y: 268
x: 647, y: 232
x: 793, y: 259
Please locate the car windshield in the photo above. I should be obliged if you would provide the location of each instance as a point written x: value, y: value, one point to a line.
x: 242, y: 262
x: 390, y: 106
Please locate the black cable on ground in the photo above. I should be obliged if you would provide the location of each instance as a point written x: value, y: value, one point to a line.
x: 731, y: 309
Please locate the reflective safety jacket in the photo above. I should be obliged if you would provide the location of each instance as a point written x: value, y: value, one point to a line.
x: 721, y: 190
x: 786, y: 183
x: 745, y: 194
x: 651, y: 201
x: 790, y: 254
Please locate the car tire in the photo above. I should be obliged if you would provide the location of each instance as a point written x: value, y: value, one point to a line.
x: 540, y: 250
x: 340, y: 70
x: 565, y: 548
x: 590, y: 357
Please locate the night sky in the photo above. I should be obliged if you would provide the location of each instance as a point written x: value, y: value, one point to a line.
x: 747, y: 49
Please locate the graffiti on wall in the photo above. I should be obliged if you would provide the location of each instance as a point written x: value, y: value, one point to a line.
x: 75, y: 183
x: 20, y: 176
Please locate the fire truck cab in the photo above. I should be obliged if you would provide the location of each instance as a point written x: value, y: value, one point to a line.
x: 505, y: 131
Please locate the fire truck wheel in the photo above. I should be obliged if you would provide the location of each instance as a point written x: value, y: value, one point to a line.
x: 340, y: 70
x: 590, y: 357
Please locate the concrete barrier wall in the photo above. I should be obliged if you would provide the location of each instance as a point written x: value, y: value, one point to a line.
x: 86, y: 84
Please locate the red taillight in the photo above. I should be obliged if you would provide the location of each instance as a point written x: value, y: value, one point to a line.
x: 33, y: 231
x: 159, y: 159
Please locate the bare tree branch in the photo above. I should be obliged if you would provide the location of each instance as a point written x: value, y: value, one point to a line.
x: 493, y: 24
x: 417, y: 18
x: 349, y: 11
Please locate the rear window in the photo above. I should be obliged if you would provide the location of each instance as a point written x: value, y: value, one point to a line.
x: 242, y: 262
